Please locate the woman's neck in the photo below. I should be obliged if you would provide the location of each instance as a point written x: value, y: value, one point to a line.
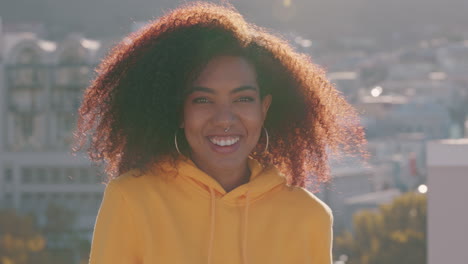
x: 228, y: 178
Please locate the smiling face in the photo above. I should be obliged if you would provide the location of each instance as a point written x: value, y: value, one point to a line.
x: 224, y: 96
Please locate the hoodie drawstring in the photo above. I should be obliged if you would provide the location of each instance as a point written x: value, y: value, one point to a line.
x: 212, y: 224
x: 244, y: 227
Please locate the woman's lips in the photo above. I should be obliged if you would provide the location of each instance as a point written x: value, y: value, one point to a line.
x: 224, y: 144
x: 224, y: 141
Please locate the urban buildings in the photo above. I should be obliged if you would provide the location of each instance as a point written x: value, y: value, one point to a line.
x: 41, y: 83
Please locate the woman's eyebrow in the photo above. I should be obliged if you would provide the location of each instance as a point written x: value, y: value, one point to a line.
x: 243, y: 88
x: 212, y: 91
x: 200, y: 89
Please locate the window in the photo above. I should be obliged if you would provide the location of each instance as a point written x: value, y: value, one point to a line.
x: 41, y: 201
x: 55, y: 197
x: 27, y: 201
x: 84, y: 201
x: 72, y: 75
x: 8, y: 200
x: 24, y: 76
x: 8, y: 175
x: 84, y: 175
x: 84, y: 196
x: 94, y: 175
x: 41, y: 176
x: 26, y: 71
x: 25, y: 123
x: 55, y: 174
x: 40, y: 197
x: 66, y: 124
x: 70, y: 175
x: 72, y: 69
x: 27, y: 56
x: 68, y: 196
x: 26, y: 79
x: 98, y: 197
x: 26, y: 175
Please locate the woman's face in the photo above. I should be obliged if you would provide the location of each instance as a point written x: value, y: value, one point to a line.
x: 224, y: 96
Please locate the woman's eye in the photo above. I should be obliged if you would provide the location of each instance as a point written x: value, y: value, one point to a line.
x: 246, y: 99
x: 200, y: 100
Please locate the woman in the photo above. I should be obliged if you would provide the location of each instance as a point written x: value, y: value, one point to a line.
x: 210, y: 128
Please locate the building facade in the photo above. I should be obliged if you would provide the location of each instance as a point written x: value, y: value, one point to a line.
x: 41, y: 84
x: 447, y: 198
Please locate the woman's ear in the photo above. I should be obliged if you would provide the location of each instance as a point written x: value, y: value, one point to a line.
x: 266, y: 102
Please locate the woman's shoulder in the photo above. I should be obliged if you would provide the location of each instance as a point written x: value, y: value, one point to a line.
x: 129, y: 183
x: 307, y: 202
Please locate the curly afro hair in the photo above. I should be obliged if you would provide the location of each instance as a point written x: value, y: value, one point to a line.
x: 130, y: 112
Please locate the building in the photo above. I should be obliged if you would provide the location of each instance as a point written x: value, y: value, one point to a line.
x: 368, y: 201
x: 385, y: 116
x: 41, y: 83
x: 400, y: 160
x: 349, y: 178
x: 447, y: 201
x: 347, y: 83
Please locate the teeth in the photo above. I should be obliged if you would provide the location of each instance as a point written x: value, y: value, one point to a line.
x: 224, y: 141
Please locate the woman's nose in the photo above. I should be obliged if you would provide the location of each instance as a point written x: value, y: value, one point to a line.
x: 224, y: 115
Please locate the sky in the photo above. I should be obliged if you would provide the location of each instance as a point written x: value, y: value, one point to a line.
x: 313, y: 18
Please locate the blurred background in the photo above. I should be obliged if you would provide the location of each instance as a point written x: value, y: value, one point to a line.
x: 402, y: 64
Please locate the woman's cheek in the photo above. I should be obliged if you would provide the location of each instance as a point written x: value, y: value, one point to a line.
x: 252, y: 114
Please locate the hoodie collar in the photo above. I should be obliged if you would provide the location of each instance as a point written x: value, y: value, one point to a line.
x: 262, y: 179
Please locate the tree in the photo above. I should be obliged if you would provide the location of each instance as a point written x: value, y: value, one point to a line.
x: 23, y: 242
x: 67, y: 245
x: 20, y: 240
x: 395, y: 233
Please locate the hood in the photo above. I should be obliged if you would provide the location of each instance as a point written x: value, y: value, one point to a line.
x: 262, y: 180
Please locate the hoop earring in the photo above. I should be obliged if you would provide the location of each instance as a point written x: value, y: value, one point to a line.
x: 175, y: 143
x: 267, y: 140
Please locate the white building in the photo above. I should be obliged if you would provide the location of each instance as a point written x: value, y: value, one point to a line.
x: 448, y: 201
x: 349, y: 178
x: 41, y: 83
x: 401, y: 160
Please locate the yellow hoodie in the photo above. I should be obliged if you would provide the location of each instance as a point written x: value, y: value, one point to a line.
x: 190, y: 219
